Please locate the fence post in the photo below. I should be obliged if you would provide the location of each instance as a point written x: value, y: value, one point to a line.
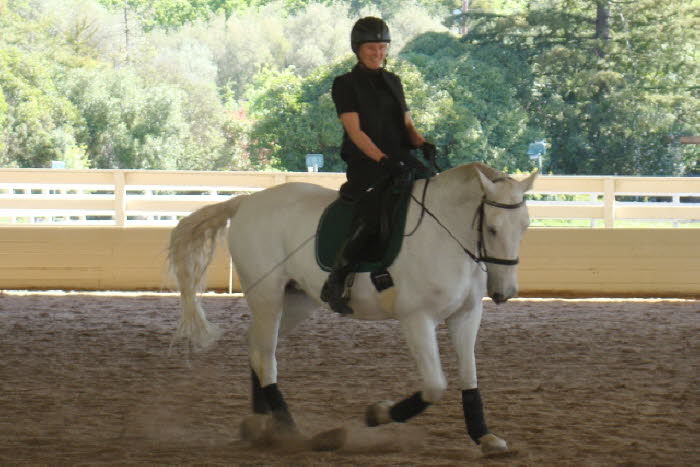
x: 119, y: 198
x: 609, y: 202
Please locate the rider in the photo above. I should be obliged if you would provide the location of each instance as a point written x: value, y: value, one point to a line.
x: 378, y: 139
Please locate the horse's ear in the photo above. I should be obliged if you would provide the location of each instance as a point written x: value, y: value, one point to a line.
x: 526, y: 184
x: 486, y: 184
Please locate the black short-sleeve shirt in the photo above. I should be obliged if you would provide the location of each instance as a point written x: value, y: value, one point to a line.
x: 378, y: 98
x: 344, y: 98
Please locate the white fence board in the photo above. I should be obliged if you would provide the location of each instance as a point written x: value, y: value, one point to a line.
x: 136, y: 197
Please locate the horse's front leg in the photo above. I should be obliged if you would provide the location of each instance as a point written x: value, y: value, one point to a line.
x: 419, y: 331
x: 463, y: 327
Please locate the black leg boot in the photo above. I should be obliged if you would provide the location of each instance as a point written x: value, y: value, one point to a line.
x: 345, y: 263
x: 334, y: 288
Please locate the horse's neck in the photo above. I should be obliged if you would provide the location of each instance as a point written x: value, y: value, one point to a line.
x: 453, y: 197
x: 455, y: 192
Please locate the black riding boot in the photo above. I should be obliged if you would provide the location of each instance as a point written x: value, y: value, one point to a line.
x: 345, y: 263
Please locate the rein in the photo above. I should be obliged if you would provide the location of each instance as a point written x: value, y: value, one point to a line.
x: 483, y: 256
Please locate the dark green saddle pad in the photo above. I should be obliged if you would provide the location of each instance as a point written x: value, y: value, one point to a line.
x: 336, y: 222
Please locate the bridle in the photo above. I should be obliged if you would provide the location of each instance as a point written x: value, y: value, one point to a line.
x: 479, y: 215
x: 480, y: 244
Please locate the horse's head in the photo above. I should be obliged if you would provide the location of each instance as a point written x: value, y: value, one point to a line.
x: 503, y: 219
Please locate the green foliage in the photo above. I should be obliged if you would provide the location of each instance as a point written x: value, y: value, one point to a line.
x: 479, y: 116
x: 295, y: 117
x: 267, y: 40
x: 614, y: 105
x: 385, y: 8
x: 609, y: 105
x: 126, y: 124
x: 36, y: 122
x: 129, y: 123
x: 221, y: 84
x: 168, y: 14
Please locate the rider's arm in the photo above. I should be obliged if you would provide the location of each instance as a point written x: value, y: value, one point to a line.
x: 414, y: 137
x: 351, y: 123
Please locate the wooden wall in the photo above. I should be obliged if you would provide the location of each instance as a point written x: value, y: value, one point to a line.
x: 610, y: 263
x: 554, y: 262
x: 92, y: 258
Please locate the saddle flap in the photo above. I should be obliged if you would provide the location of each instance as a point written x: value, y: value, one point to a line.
x: 337, y: 221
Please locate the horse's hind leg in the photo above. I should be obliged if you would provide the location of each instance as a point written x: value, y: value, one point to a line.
x: 262, y: 343
x: 297, y: 307
x: 260, y: 404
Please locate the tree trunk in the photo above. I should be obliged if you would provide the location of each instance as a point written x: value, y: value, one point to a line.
x: 228, y: 12
x: 464, y: 28
x: 126, y: 31
x: 602, y: 24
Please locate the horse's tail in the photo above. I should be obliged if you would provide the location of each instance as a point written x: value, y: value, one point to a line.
x: 192, y: 245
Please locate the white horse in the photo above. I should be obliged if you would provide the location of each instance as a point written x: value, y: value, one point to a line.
x: 467, y: 225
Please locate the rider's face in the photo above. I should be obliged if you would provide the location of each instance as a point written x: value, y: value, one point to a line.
x: 372, y: 54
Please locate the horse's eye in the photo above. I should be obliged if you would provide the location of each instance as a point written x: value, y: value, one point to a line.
x: 491, y: 230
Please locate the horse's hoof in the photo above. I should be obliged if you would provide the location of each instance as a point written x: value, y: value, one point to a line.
x: 493, y: 446
x: 255, y: 428
x: 266, y: 431
x: 330, y: 440
x: 378, y: 414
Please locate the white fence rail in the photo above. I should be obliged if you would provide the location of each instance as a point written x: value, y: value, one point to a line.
x: 148, y: 197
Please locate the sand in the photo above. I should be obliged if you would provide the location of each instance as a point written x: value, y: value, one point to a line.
x: 87, y: 379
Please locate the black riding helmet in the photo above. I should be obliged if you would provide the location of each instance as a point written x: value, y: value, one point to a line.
x: 368, y: 29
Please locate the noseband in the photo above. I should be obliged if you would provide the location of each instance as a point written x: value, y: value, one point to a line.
x: 480, y: 244
x: 483, y: 256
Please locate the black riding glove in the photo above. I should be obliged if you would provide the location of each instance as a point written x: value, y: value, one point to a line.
x: 396, y: 168
x: 430, y: 155
x: 429, y: 151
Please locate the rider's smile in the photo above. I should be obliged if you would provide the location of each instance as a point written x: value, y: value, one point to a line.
x: 372, y: 54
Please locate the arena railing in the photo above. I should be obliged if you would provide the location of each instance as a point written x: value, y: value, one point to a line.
x: 153, y: 197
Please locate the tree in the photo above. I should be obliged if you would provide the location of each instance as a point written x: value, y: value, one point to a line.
x: 610, y: 84
x: 124, y: 123
x: 481, y: 116
x: 36, y: 121
x: 296, y: 116
x: 605, y: 82
x: 612, y: 80
x: 147, y: 15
